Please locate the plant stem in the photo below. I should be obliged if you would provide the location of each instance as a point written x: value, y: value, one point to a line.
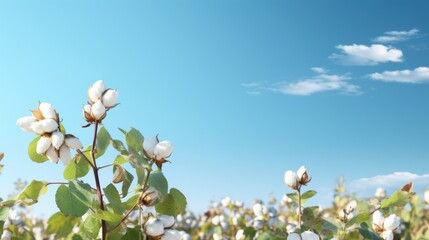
x: 105, y: 166
x: 97, y: 181
x: 50, y: 183
x: 299, y: 207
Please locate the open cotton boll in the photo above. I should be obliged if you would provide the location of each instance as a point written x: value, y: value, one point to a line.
x: 25, y: 123
x: 65, y: 154
x: 96, y: 90
x: 49, y: 125
x: 166, y: 220
x: 171, y: 234
x: 163, y: 150
x: 387, y: 235
x: 391, y: 222
x: 43, y: 145
x: 57, y: 139
x: 52, y: 154
x: 149, y: 145
x: 291, y: 179
x: 294, y: 236
x: 378, y: 218
x: 240, y: 235
x: 308, y: 235
x: 47, y: 111
x: 37, y: 127
x: 73, y: 142
x: 98, y: 110
x: 154, y: 228
x: 110, y: 97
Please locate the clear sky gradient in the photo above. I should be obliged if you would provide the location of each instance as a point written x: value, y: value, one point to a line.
x: 245, y: 90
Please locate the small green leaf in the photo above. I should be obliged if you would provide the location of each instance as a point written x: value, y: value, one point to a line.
x: 4, y: 212
x: 134, y: 140
x: 119, y: 146
x: 112, y: 195
x: 173, y: 204
x: 358, y: 219
x: 397, y: 199
x: 120, y: 160
x: 61, y: 225
x: 249, y: 232
x: 307, y: 195
x: 74, y: 200
x: 34, y: 156
x: 92, y: 226
x: 180, y: 200
x: 103, y: 140
x: 123, y: 131
x: 159, y: 182
x: 127, y: 183
x: 79, y: 167
x: 108, y: 216
x: 30, y: 195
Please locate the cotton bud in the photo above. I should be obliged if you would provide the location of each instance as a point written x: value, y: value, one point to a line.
x: 240, y: 235
x: 387, y: 235
x: 52, y: 154
x: 48, y: 112
x: 303, y: 175
x: 149, y: 145
x: 163, y: 150
x: 167, y: 221
x: 378, y: 219
x: 1, y: 155
x: 98, y: 110
x: 119, y: 174
x: 392, y: 222
x: 294, y: 236
x: 43, y: 145
x: 171, y: 234
x: 380, y: 193
x: 95, y: 92
x: 25, y: 123
x: 49, y: 125
x: 65, y: 154
x: 291, y: 179
x: 73, y: 142
x: 57, y: 139
x: 151, y: 195
x: 110, y: 97
x: 154, y: 228
x: 426, y: 196
x: 308, y: 235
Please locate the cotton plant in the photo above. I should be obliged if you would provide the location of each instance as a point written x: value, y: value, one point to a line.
x: 94, y: 211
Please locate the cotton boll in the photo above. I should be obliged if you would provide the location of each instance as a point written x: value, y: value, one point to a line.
x: 98, y: 110
x: 166, y: 220
x: 291, y: 179
x: 154, y: 228
x: 49, y: 125
x: 52, y: 154
x: 73, y: 142
x: 392, y: 222
x: 96, y: 90
x: 57, y: 139
x: 163, y: 150
x: 48, y: 112
x: 37, y: 127
x: 308, y: 235
x: 240, y: 235
x: 387, y: 235
x: 110, y: 97
x: 294, y: 236
x: 43, y: 145
x: 25, y: 123
x: 171, y: 234
x: 149, y: 145
x: 65, y: 154
x: 378, y: 218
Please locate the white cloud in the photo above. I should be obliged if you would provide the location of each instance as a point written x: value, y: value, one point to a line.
x: 253, y: 92
x: 396, y: 36
x: 315, y: 84
x: 396, y: 179
x: 319, y: 70
x: 250, y: 84
x: 367, y: 55
x: 418, y: 75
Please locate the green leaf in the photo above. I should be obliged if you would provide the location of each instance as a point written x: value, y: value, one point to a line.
x: 61, y: 225
x: 79, y: 167
x: 34, y: 156
x: 108, y: 216
x: 397, y: 199
x: 119, y: 146
x: 127, y: 183
x: 264, y: 236
x: 367, y: 234
x: 130, y: 202
x: 74, y: 200
x: 123, y: 131
x: 112, y: 195
x: 307, y: 195
x: 134, y: 140
x: 92, y: 226
x: 249, y: 232
x: 4, y: 212
x: 119, y: 160
x: 103, y: 140
x: 136, y: 160
x: 173, y: 204
x: 358, y: 219
x: 30, y: 195
x: 132, y: 233
x: 159, y: 182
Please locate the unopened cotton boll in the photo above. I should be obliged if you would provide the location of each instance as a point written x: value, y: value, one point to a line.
x: 171, y: 234
x: 294, y: 236
x: 154, y: 228
x: 110, y: 97
x: 308, y: 235
x: 52, y: 154
x: 96, y: 90
x: 57, y: 139
x: 98, y: 110
x: 387, y: 235
x: 391, y: 222
x: 163, y: 150
x: 149, y: 145
x: 25, y: 123
x: 73, y: 142
x: 43, y: 145
x: 65, y: 154
x: 378, y: 218
x: 49, y: 125
x: 291, y: 179
x: 166, y: 220
x: 240, y: 235
x: 47, y: 111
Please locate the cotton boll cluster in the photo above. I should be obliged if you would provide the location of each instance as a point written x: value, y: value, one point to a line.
x: 53, y: 143
x: 386, y: 226
x: 307, y: 235
x: 162, y: 228
x: 349, y: 211
x: 296, y: 180
x: 100, y: 101
x: 157, y: 150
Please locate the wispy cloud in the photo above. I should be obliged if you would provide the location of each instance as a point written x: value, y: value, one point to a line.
x: 321, y: 82
x: 396, y: 179
x: 250, y: 84
x: 396, y: 36
x: 418, y: 75
x: 367, y: 55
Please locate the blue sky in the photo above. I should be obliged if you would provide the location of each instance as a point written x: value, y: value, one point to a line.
x: 245, y: 90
